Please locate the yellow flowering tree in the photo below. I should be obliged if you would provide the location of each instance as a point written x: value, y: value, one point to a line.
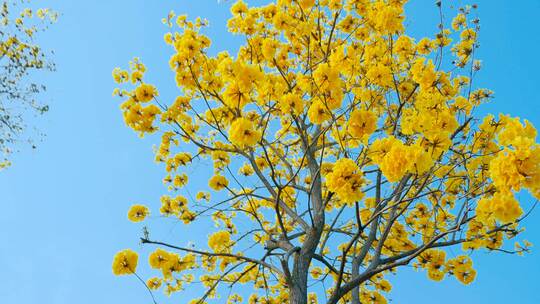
x: 20, y: 55
x: 341, y: 148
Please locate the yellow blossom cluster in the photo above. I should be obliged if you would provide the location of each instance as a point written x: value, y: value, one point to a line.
x: 461, y: 268
x: 171, y: 266
x: 515, y: 166
x: 346, y: 180
x: 137, y: 115
x: 361, y: 124
x: 243, y: 132
x: 437, y: 266
x: 177, y: 206
x: 220, y: 241
x: 396, y: 159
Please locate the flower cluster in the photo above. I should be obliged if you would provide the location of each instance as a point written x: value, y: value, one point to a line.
x: 220, y: 241
x: 137, y: 115
x: 346, y: 180
x: 437, y: 266
x: 395, y: 159
x: 177, y: 206
x: 243, y: 133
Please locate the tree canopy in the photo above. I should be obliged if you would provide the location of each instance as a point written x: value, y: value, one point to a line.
x: 20, y: 55
x: 342, y: 149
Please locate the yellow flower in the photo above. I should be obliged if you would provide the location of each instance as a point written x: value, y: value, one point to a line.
x: 346, y: 180
x: 218, y: 182
x: 424, y: 75
x: 326, y: 77
x: 236, y: 96
x: 239, y: 7
x: 424, y: 46
x: 502, y: 206
x: 318, y: 113
x: 145, y: 92
x: 459, y: 21
x: 291, y: 103
x: 180, y: 180
x: 120, y: 75
x: 125, y: 262
x: 305, y: 4
x: 203, y: 196
x: 504, y: 171
x: 463, y: 104
x: 159, y: 258
x: 404, y: 47
x: 435, y: 265
x: 269, y: 48
x: 153, y: 283
x: 465, y: 276
x: 220, y: 241
x: 234, y: 299
x: 372, y: 297
x: 140, y: 118
x: 380, y: 75
x: 182, y: 158
x: 168, y: 38
x: 388, y: 18
x: 136, y: 76
x: 243, y: 133
x: 397, y: 161
x: 246, y: 170
x: 312, y: 298
x: 361, y: 124
x: 316, y: 272
x: 137, y: 213
x: 435, y: 275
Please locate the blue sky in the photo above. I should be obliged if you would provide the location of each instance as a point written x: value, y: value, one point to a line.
x: 64, y: 205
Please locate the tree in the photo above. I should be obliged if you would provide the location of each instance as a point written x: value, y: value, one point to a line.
x: 342, y: 149
x: 20, y: 55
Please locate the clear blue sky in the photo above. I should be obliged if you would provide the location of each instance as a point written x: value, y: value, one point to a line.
x: 64, y: 205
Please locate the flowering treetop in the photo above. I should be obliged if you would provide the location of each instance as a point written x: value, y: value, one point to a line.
x: 342, y: 149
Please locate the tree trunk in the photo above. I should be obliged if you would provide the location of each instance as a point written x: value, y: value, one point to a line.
x: 299, y: 280
x: 302, y: 258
